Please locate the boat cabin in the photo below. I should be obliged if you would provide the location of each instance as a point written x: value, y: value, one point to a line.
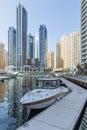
x: 48, y: 82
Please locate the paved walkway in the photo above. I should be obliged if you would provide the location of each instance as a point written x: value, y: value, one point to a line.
x: 63, y: 114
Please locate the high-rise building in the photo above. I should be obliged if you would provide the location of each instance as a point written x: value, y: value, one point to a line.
x: 43, y: 46
x: 21, y: 43
x: 83, y: 31
x: 69, y: 51
x: 37, y: 45
x: 3, y: 56
x: 64, y: 51
x: 58, y: 58
x: 11, y: 46
x: 50, y: 59
x: 74, y: 49
x: 31, y: 46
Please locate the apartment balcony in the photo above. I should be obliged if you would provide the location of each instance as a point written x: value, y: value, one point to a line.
x: 83, y: 5
x: 83, y: 39
x: 84, y: 35
x: 82, y: 2
x: 83, y: 48
x: 83, y: 21
x: 84, y: 9
x: 82, y: 61
x: 84, y: 57
x: 83, y: 30
x: 84, y: 44
x: 84, y: 53
x: 83, y: 16
x: 84, y: 26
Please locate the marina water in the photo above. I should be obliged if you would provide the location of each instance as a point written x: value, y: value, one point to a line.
x: 12, y: 113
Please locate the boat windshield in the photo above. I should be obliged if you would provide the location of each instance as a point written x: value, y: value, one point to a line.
x: 50, y: 83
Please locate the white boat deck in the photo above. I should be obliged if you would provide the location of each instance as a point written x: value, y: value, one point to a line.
x: 39, y: 94
x: 63, y: 114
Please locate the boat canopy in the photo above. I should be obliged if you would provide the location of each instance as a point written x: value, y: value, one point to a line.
x: 48, y: 82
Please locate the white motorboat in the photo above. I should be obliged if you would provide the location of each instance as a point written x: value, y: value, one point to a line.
x: 12, y: 74
x: 4, y: 77
x: 41, y: 98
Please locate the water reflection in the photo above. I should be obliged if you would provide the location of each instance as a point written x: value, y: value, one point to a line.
x: 12, y: 113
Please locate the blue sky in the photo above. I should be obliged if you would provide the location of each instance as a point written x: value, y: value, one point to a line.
x: 60, y: 17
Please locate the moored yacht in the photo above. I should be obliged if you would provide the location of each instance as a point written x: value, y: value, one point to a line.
x: 12, y: 74
x: 45, y: 94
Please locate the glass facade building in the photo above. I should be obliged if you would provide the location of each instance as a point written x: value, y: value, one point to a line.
x: 43, y: 46
x: 31, y: 46
x: 37, y: 45
x: 21, y: 43
x: 11, y: 46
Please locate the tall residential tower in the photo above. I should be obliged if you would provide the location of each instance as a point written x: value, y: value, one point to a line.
x: 31, y: 46
x: 12, y: 46
x: 83, y: 31
x: 58, y: 58
x: 3, y: 56
x: 68, y: 51
x: 50, y: 59
x: 43, y: 46
x: 37, y: 45
x: 21, y: 43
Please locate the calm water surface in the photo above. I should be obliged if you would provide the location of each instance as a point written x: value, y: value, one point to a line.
x: 12, y: 113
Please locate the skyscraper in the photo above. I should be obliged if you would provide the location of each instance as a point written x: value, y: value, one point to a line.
x: 3, y: 56
x: 74, y: 49
x: 37, y: 45
x: 83, y: 31
x: 21, y: 43
x: 58, y: 58
x: 64, y: 51
x: 11, y: 46
x: 43, y: 46
x: 69, y: 49
x: 31, y: 46
x: 50, y: 59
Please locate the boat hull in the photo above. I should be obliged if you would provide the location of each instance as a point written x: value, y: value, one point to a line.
x: 45, y: 102
x: 42, y: 105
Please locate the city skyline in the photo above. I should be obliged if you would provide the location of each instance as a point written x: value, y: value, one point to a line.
x: 59, y: 18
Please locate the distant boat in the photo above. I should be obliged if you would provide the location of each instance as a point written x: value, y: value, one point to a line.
x: 42, y: 97
x: 7, y: 75
x: 4, y: 77
x: 12, y: 73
